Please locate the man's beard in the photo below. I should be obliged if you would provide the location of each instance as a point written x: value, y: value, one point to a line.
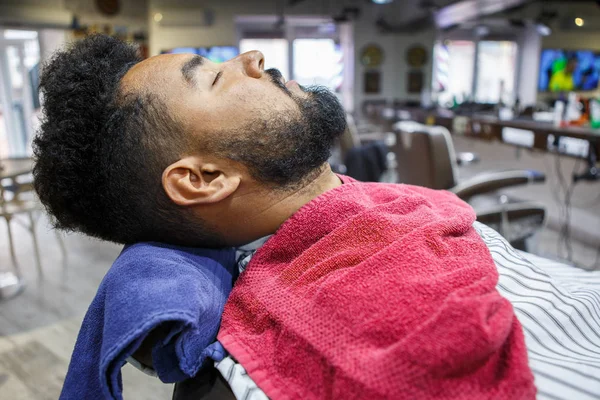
x: 285, y: 150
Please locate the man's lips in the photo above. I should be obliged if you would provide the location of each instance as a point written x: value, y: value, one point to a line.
x: 291, y: 83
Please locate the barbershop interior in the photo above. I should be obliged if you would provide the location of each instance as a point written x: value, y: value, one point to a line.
x: 494, y: 101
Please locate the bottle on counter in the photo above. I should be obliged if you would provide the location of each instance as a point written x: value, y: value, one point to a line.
x: 517, y: 107
x: 594, y: 112
x: 573, y: 111
x: 559, y: 112
x: 501, y: 95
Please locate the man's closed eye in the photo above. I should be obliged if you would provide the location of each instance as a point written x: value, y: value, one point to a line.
x: 217, y: 78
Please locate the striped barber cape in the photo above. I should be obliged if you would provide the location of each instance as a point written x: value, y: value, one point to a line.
x: 559, y: 308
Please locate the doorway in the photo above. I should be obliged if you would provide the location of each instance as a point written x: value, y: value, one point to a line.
x: 19, y: 101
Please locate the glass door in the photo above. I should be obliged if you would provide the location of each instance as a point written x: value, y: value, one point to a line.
x: 19, y: 61
x: 483, y: 70
x: 454, y: 68
x: 496, y: 72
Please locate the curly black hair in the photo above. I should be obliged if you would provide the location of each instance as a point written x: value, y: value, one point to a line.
x: 100, y: 152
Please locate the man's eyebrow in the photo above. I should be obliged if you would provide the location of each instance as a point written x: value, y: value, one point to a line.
x: 187, y: 69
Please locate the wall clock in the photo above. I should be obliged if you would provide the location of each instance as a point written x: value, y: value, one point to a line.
x: 416, y: 56
x: 371, y: 56
x: 108, y: 7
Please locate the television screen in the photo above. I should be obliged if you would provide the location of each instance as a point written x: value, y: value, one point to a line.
x: 181, y: 50
x: 217, y: 54
x: 568, y: 70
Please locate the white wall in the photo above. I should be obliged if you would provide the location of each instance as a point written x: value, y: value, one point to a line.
x: 60, y: 12
x: 131, y: 14
x: 51, y: 12
x: 584, y: 38
x: 530, y: 44
x: 394, y: 68
x: 50, y: 41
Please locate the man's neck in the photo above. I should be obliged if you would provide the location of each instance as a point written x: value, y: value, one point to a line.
x: 277, y: 207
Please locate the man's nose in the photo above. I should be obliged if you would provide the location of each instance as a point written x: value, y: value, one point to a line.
x: 253, y: 63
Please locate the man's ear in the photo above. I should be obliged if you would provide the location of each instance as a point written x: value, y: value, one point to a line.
x: 191, y: 181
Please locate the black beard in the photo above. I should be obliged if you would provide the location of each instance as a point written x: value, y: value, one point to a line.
x: 285, y: 150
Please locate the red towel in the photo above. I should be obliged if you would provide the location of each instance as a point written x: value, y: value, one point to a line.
x: 377, y: 291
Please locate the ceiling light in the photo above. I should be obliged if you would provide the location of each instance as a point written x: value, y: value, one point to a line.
x: 543, y: 29
x: 382, y: 1
x: 579, y: 22
x: 482, y: 30
x: 158, y: 17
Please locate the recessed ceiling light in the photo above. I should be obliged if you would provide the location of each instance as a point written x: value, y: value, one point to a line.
x: 579, y: 22
x: 382, y: 1
x: 158, y: 17
x: 543, y: 29
x: 482, y: 30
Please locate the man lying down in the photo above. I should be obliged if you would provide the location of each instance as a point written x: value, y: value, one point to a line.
x: 356, y: 291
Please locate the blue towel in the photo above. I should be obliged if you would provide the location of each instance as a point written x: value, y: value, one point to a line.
x: 150, y: 284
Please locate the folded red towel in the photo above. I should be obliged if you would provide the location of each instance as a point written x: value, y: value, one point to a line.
x: 377, y: 291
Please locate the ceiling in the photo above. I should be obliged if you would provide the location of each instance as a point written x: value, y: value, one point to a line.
x: 403, y: 11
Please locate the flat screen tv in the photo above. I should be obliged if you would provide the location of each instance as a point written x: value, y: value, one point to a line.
x: 217, y: 54
x: 569, y: 70
x: 181, y: 50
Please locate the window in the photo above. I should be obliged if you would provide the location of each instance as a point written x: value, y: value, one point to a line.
x: 19, y: 74
x: 275, y: 51
x: 327, y: 72
x: 484, y: 71
x: 496, y: 71
x: 453, y: 70
x: 310, y: 50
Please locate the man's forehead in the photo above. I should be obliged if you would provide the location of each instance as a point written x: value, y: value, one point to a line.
x: 164, y: 68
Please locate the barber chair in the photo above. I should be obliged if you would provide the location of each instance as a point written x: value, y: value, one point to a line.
x: 19, y: 199
x: 425, y: 157
x: 374, y: 147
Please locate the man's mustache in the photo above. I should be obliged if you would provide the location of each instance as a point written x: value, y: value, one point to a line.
x: 277, y: 79
x: 274, y: 73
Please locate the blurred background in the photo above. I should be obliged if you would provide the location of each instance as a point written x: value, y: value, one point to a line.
x: 496, y: 100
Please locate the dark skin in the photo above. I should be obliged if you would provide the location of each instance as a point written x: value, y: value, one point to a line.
x: 208, y: 98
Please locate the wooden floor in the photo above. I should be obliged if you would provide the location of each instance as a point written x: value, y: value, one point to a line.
x: 39, y: 327
x: 585, y: 196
